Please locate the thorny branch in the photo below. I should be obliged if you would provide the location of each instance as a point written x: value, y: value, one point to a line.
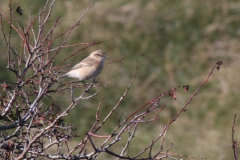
x: 234, y: 142
x: 30, y: 128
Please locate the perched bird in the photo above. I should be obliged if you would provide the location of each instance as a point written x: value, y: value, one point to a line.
x: 90, y: 67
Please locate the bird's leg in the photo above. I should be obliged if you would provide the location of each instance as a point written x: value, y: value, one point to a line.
x: 94, y: 81
x: 87, y: 87
x: 84, y: 83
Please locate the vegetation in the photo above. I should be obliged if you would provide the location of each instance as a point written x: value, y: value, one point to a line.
x: 174, y: 43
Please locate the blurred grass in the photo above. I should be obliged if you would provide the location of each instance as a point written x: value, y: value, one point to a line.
x: 181, y: 40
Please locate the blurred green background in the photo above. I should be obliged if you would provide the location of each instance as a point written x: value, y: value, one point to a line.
x: 181, y: 40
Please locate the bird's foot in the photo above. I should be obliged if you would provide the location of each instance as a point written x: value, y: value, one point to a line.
x: 94, y: 81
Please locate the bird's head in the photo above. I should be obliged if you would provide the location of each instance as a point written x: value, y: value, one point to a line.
x: 98, y: 55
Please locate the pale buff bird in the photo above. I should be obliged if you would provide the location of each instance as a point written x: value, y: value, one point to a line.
x: 90, y: 67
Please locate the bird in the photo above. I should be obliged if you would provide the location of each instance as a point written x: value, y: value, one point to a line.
x: 88, y: 68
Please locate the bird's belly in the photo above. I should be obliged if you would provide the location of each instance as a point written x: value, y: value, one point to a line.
x: 85, y: 73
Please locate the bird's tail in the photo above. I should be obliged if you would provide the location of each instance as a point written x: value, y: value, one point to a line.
x: 62, y: 76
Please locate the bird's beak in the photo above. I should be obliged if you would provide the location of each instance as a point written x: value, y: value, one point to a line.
x: 107, y: 56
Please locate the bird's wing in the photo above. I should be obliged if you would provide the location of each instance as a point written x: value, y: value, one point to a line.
x: 87, y: 62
